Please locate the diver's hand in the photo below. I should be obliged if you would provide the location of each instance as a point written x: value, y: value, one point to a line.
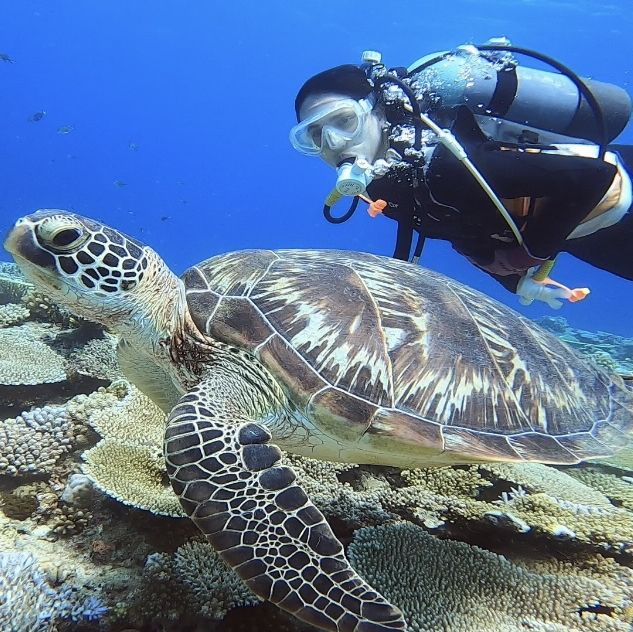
x: 529, y: 291
x: 515, y: 260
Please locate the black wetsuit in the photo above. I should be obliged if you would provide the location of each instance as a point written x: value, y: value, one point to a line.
x: 449, y: 204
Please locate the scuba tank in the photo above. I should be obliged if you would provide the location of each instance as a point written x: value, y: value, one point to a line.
x: 514, y: 103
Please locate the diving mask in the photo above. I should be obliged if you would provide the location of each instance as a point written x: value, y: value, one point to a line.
x: 334, y: 125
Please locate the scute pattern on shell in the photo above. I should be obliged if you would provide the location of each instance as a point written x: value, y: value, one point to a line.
x: 381, y: 337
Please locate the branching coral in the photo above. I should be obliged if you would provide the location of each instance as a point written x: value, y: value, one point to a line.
x: 26, y: 600
x: 447, y: 585
x: 13, y: 314
x: 214, y: 588
x: 34, y: 441
x: 97, y: 358
x: 193, y: 579
x: 44, y: 309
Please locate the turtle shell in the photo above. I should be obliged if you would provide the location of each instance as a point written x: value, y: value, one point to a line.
x: 373, y: 349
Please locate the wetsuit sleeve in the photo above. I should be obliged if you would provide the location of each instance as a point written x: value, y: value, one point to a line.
x: 509, y: 282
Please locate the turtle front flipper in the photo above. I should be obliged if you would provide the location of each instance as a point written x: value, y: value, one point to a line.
x: 231, y: 482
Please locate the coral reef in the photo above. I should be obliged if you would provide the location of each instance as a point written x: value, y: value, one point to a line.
x: 133, y: 474
x: 97, y: 358
x: 129, y: 416
x: 127, y: 463
x: 28, y: 603
x: 13, y: 285
x: 97, y: 543
x: 448, y: 585
x: 606, y: 349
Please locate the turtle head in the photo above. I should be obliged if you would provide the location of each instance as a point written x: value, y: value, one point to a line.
x: 91, y: 269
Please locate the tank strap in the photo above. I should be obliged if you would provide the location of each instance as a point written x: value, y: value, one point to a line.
x: 505, y: 92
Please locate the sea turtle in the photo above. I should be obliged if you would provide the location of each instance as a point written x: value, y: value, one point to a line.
x: 337, y: 355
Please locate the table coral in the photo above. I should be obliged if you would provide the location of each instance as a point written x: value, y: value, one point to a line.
x: 27, y: 360
x: 618, y: 489
x: 133, y: 474
x: 451, y: 586
x: 130, y: 417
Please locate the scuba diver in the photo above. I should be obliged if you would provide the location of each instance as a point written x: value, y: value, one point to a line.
x: 512, y: 165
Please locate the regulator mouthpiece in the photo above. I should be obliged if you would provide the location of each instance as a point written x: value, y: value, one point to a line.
x: 353, y: 178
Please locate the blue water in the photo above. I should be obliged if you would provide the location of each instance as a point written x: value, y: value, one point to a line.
x: 204, y: 91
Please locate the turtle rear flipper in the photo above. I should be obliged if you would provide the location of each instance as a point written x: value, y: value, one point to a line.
x: 233, y: 486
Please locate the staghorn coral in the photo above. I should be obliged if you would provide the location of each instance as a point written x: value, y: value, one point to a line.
x: 13, y: 314
x: 213, y: 587
x: 448, y: 585
x: 133, y: 474
x: 34, y: 441
x: 25, y: 360
x: 193, y: 579
x: 26, y: 600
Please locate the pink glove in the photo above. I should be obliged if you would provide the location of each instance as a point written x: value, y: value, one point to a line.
x: 507, y: 261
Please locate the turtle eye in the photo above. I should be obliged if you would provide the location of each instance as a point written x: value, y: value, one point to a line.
x: 60, y: 237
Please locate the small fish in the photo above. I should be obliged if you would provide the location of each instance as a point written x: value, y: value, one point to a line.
x: 65, y: 129
x: 38, y: 116
x: 5, y: 57
x: 133, y: 146
x: 119, y: 184
x: 164, y: 218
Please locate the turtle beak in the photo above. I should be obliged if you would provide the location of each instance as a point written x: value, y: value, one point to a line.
x: 23, y: 246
